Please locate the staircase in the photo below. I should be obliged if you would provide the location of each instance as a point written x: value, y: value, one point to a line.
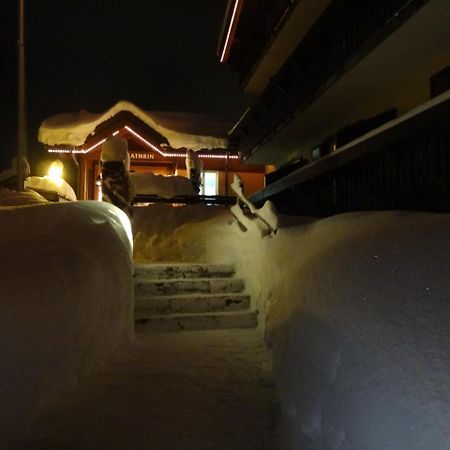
x: 175, y: 297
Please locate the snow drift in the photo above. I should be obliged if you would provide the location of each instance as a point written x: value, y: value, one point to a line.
x: 161, y: 185
x: 62, y: 188
x: 66, y: 302
x: 357, y: 312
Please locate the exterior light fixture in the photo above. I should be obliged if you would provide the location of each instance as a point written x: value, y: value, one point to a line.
x: 55, y: 172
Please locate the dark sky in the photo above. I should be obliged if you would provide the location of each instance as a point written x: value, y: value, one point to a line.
x: 88, y: 54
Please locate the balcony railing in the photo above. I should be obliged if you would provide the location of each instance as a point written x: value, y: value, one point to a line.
x: 403, y: 165
x: 260, y: 24
x: 344, y: 33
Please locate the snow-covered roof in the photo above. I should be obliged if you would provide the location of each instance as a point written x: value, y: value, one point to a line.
x: 182, y: 130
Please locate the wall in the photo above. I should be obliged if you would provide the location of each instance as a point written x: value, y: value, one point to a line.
x: 253, y: 182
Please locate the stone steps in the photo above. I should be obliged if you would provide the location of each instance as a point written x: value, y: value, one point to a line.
x: 187, y: 285
x: 182, y: 270
x: 191, y: 303
x: 208, y: 321
x: 174, y: 297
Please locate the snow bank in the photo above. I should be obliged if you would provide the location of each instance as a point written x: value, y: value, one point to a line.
x: 14, y: 198
x: 357, y: 312
x: 61, y: 187
x: 359, y: 331
x: 66, y: 302
x: 164, y: 186
x: 182, y: 130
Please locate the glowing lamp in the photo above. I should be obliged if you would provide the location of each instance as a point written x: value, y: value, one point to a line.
x: 55, y: 172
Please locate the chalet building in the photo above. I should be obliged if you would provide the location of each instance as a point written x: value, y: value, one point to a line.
x: 352, y: 101
x: 157, y: 143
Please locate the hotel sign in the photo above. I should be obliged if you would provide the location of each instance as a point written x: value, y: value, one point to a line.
x: 142, y: 156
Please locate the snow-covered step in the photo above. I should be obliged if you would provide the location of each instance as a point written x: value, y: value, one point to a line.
x: 145, y: 287
x: 182, y: 270
x: 211, y: 321
x: 190, y: 303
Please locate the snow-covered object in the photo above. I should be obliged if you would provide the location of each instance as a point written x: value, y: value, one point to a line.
x: 193, y: 162
x: 61, y: 187
x: 116, y: 186
x: 357, y: 312
x: 116, y: 149
x: 194, y: 167
x: 14, y: 198
x: 66, y: 302
x: 163, y: 186
x: 264, y: 219
x: 10, y: 173
x: 180, y: 129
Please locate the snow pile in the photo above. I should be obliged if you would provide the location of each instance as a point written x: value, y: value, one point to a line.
x: 61, y: 187
x: 189, y: 233
x: 265, y: 219
x: 14, y: 198
x: 357, y: 311
x: 66, y: 302
x: 359, y: 331
x: 181, y: 130
x: 163, y: 186
x: 9, y: 174
x: 116, y: 149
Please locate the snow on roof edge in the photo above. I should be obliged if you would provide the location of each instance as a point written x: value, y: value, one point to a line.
x: 74, y: 128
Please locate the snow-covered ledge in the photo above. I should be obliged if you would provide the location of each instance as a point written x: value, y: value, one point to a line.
x: 66, y: 302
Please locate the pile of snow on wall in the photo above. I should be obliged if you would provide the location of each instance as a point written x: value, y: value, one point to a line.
x: 163, y: 186
x: 66, y: 302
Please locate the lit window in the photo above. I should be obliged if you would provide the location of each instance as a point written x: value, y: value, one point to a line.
x: 209, y: 183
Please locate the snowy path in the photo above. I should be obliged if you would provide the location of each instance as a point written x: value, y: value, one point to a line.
x: 174, y: 391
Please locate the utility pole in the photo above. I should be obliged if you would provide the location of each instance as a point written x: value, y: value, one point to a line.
x: 22, y: 130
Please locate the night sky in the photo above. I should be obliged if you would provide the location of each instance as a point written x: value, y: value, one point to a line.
x: 88, y: 54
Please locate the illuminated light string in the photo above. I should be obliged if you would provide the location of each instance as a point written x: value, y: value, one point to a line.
x: 94, y: 146
x: 144, y: 141
x: 158, y: 150
x: 233, y: 17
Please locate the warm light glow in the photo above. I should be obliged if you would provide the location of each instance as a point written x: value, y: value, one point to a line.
x: 55, y: 172
x: 233, y: 17
x: 144, y: 141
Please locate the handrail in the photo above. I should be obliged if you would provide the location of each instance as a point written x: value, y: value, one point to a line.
x: 395, y: 130
x: 186, y: 199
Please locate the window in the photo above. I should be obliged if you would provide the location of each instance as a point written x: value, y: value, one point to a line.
x: 210, y: 183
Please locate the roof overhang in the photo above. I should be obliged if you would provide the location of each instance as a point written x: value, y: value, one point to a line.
x: 179, y: 130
